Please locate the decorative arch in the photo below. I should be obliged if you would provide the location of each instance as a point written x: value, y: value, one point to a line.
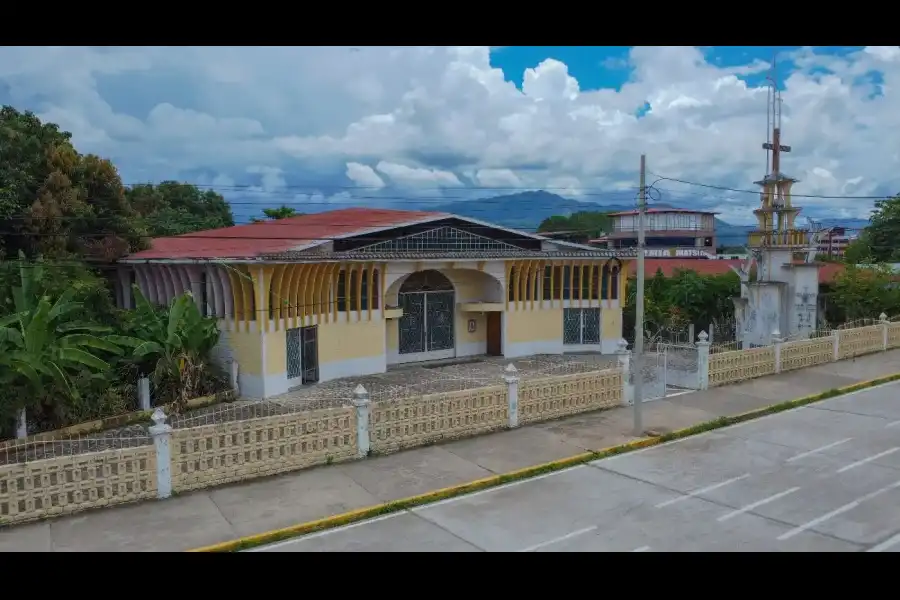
x: 429, y: 280
x: 427, y: 328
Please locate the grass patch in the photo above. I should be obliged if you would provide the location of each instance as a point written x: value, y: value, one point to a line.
x: 363, y: 514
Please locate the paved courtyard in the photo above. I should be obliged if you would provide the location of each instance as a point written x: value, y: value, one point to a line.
x: 444, y: 376
x: 824, y: 478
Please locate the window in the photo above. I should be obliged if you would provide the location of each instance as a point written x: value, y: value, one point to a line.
x: 347, y: 290
x: 581, y: 326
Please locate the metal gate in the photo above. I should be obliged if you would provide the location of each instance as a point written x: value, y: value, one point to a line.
x: 682, y: 365
x: 654, y: 380
x: 427, y: 322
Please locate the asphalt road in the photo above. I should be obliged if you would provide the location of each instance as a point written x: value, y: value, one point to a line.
x: 824, y: 478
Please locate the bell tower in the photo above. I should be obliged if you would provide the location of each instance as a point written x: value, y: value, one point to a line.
x: 776, y: 213
x: 783, y: 299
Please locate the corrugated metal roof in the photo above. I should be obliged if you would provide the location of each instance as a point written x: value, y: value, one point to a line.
x: 469, y: 255
x: 256, y: 239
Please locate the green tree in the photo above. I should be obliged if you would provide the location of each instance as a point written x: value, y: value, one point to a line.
x: 274, y: 214
x: 880, y: 241
x: 56, y: 202
x: 864, y: 293
x: 581, y: 226
x: 685, y: 298
x: 173, y: 208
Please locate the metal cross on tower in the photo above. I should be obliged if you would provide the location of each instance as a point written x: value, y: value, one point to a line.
x: 773, y: 144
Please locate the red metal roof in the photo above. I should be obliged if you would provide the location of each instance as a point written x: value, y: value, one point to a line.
x: 255, y: 239
x: 663, y: 210
x: 703, y: 266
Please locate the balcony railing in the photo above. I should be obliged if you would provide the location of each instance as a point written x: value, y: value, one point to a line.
x: 790, y: 237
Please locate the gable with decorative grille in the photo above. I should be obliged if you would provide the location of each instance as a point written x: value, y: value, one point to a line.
x: 440, y: 239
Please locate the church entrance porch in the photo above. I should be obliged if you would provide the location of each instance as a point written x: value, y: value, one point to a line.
x: 426, y: 329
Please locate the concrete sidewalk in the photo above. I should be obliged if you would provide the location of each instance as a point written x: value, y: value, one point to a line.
x: 221, y: 514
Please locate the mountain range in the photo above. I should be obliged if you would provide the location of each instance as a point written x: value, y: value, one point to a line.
x: 526, y: 210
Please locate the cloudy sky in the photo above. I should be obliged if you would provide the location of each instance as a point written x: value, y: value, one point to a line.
x: 330, y: 126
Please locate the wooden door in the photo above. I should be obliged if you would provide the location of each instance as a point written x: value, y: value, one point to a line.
x: 495, y: 333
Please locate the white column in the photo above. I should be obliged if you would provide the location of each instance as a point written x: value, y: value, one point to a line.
x: 234, y: 377
x: 22, y: 424
x: 836, y: 338
x: 625, y: 365
x: 144, y: 393
x: 703, y: 361
x: 162, y: 435
x: 884, y: 330
x: 511, y: 377
x: 777, y: 341
x: 362, y: 404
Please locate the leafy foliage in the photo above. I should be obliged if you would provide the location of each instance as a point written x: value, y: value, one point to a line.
x: 43, y: 344
x: 579, y: 227
x: 274, y: 214
x: 863, y: 293
x: 673, y: 303
x: 173, y: 208
x: 880, y: 241
x: 61, y: 204
x: 66, y: 353
x: 173, y: 345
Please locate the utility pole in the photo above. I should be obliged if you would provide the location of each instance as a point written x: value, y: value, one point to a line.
x: 638, y: 358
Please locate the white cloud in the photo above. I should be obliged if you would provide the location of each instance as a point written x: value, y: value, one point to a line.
x: 363, y: 175
x: 416, y: 176
x: 498, y: 178
x: 271, y: 178
x: 306, y: 119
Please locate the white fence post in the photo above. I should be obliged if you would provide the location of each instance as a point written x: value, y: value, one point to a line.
x: 703, y: 361
x: 144, y: 393
x: 625, y: 364
x: 22, y: 424
x: 777, y: 341
x: 511, y: 377
x: 836, y: 337
x: 362, y: 404
x: 162, y: 436
x: 884, y: 330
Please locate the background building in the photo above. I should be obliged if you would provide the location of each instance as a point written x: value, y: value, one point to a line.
x: 833, y: 241
x: 664, y: 228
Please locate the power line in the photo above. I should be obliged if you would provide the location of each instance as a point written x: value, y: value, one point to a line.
x: 728, y: 189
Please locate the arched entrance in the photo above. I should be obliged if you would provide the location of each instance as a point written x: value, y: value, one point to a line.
x: 426, y: 327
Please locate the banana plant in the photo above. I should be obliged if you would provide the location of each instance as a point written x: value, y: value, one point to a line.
x: 39, y: 344
x: 174, y: 344
x: 42, y: 343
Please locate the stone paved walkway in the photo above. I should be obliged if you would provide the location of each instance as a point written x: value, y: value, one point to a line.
x: 220, y: 514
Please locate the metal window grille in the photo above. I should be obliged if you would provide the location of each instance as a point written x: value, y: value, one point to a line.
x: 446, y: 238
x: 294, y: 362
x: 581, y: 326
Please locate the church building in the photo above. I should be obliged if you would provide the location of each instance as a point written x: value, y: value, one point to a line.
x: 355, y: 291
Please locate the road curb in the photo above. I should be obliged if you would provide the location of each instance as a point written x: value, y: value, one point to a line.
x: 363, y: 514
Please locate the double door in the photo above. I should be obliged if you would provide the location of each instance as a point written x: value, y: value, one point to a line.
x: 426, y: 327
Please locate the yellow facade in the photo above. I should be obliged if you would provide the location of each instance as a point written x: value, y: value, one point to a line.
x: 537, y: 326
x: 345, y: 301
x: 348, y: 341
